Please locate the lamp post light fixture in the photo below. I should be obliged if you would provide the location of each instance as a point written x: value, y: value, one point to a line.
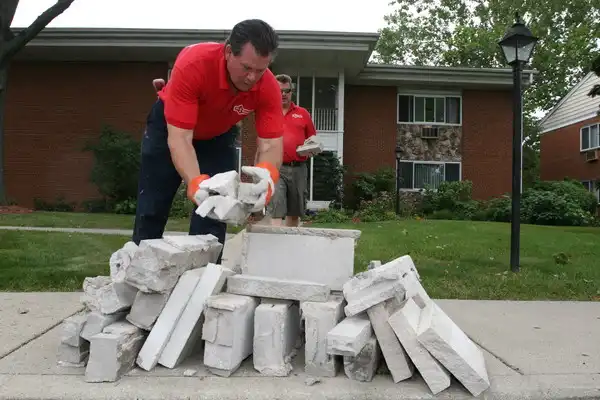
x: 398, y: 156
x: 517, y: 45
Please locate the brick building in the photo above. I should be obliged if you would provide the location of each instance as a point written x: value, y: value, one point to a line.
x: 570, y: 137
x: 447, y: 123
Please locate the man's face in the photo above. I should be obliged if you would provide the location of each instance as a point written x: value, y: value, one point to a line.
x: 246, y: 68
x: 286, y: 93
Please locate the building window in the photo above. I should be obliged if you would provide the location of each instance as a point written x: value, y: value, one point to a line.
x: 439, y: 110
x: 590, y: 137
x: 415, y: 175
x: 592, y: 186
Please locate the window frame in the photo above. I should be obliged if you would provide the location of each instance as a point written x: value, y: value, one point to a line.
x: 427, y: 95
x: 589, y: 128
x: 413, y: 189
x: 593, y: 188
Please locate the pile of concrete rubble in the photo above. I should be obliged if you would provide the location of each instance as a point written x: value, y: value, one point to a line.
x: 293, y: 288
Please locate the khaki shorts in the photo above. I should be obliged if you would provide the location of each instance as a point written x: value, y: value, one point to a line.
x: 289, y: 199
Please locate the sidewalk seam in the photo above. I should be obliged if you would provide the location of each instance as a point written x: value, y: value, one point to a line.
x: 503, y: 361
x: 9, y: 352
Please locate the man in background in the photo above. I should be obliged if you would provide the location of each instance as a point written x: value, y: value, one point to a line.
x: 289, y: 200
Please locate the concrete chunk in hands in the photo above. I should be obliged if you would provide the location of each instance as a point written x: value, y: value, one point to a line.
x: 224, y: 208
x: 224, y: 184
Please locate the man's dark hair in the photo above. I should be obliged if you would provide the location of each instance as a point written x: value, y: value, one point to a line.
x: 258, y: 32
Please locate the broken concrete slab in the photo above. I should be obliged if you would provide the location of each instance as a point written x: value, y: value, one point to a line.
x: 363, y: 366
x: 96, y: 322
x: 349, y: 336
x: 320, y: 318
x: 276, y: 332
x: 113, y: 352
x: 374, y: 264
x: 119, y: 261
x: 405, y: 322
x: 146, y: 308
x: 228, y: 331
x: 71, y: 329
x: 73, y: 354
x: 397, y: 360
x: 275, y: 288
x: 224, y: 208
x: 223, y: 183
x: 166, y: 321
x: 453, y: 349
x: 308, y: 254
x: 211, y: 282
x: 108, y: 297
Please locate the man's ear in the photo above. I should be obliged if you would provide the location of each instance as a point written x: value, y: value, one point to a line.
x: 158, y: 84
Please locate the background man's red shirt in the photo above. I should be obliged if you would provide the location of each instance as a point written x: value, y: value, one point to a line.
x: 298, y: 126
x: 198, y: 96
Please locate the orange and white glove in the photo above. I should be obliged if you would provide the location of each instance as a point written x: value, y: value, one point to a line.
x: 194, y: 192
x: 264, y: 176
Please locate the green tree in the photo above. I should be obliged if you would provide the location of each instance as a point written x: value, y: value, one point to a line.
x: 595, y: 90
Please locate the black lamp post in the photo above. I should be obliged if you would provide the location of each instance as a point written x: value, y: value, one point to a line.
x: 398, y: 155
x: 517, y: 46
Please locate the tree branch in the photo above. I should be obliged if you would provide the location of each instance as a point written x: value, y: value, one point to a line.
x: 27, y: 34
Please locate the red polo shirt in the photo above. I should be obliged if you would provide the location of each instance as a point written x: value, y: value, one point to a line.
x: 198, y: 96
x: 297, y: 127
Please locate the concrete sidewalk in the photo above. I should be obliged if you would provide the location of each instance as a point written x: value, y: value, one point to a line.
x: 533, y: 350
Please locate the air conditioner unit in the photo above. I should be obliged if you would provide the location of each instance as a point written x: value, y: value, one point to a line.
x: 430, y: 132
x: 591, y: 155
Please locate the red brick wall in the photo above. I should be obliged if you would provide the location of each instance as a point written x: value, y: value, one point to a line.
x: 487, y: 142
x: 54, y: 108
x: 560, y: 156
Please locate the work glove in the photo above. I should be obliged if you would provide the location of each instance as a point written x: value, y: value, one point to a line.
x: 264, y: 177
x: 195, y: 193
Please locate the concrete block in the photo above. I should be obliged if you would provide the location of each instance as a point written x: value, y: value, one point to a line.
x: 397, y: 360
x: 157, y: 264
x: 308, y: 254
x: 276, y: 333
x: 224, y: 183
x: 146, y: 308
x: 363, y: 366
x: 113, y: 352
x: 166, y: 321
x: 309, y: 148
x: 374, y: 264
x: 453, y: 349
x: 416, y: 291
x: 96, y: 322
x: 119, y: 261
x: 228, y: 331
x: 182, y: 339
x: 71, y: 330
x: 108, y: 297
x: 276, y: 288
x: 224, y: 208
x: 72, y: 355
x: 349, y: 336
x: 320, y: 318
x: 373, y: 286
x: 405, y: 322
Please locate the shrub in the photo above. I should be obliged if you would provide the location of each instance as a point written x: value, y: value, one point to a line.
x: 367, y: 186
x: 328, y: 183
x: 498, y: 209
x: 116, y: 167
x: 380, y: 208
x: 182, y: 207
x: 329, y: 216
x: 572, y: 191
x: 454, y: 198
x: 544, y: 207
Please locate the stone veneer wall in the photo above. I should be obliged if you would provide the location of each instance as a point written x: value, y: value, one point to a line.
x: 445, y: 148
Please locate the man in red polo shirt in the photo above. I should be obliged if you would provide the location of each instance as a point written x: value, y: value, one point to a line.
x: 191, y: 129
x: 289, y: 200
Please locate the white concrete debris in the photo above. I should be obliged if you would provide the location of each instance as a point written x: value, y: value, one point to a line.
x: 108, y: 297
x: 325, y: 256
x: 224, y: 184
x: 405, y: 323
x: 260, y: 286
x: 73, y: 355
x: 166, y: 321
x: 311, y: 146
x: 320, y: 318
x: 157, y: 264
x: 276, y: 331
x: 364, y: 365
x: 379, y: 284
x: 223, y: 208
x: 113, y: 352
x: 395, y: 357
x: 96, y: 322
x: 72, y: 328
x: 453, y: 349
x: 146, y: 308
x: 349, y: 336
x: 228, y: 331
x: 119, y: 261
x: 183, y: 338
x: 374, y: 264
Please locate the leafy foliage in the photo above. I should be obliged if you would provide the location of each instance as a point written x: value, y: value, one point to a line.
x: 367, y: 186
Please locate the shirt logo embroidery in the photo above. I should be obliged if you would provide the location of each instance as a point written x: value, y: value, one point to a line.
x: 296, y: 115
x: 241, y: 110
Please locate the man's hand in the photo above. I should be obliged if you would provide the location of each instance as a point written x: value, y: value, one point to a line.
x: 194, y: 192
x: 265, y: 176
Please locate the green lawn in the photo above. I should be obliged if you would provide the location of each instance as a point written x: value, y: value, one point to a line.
x: 455, y: 259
